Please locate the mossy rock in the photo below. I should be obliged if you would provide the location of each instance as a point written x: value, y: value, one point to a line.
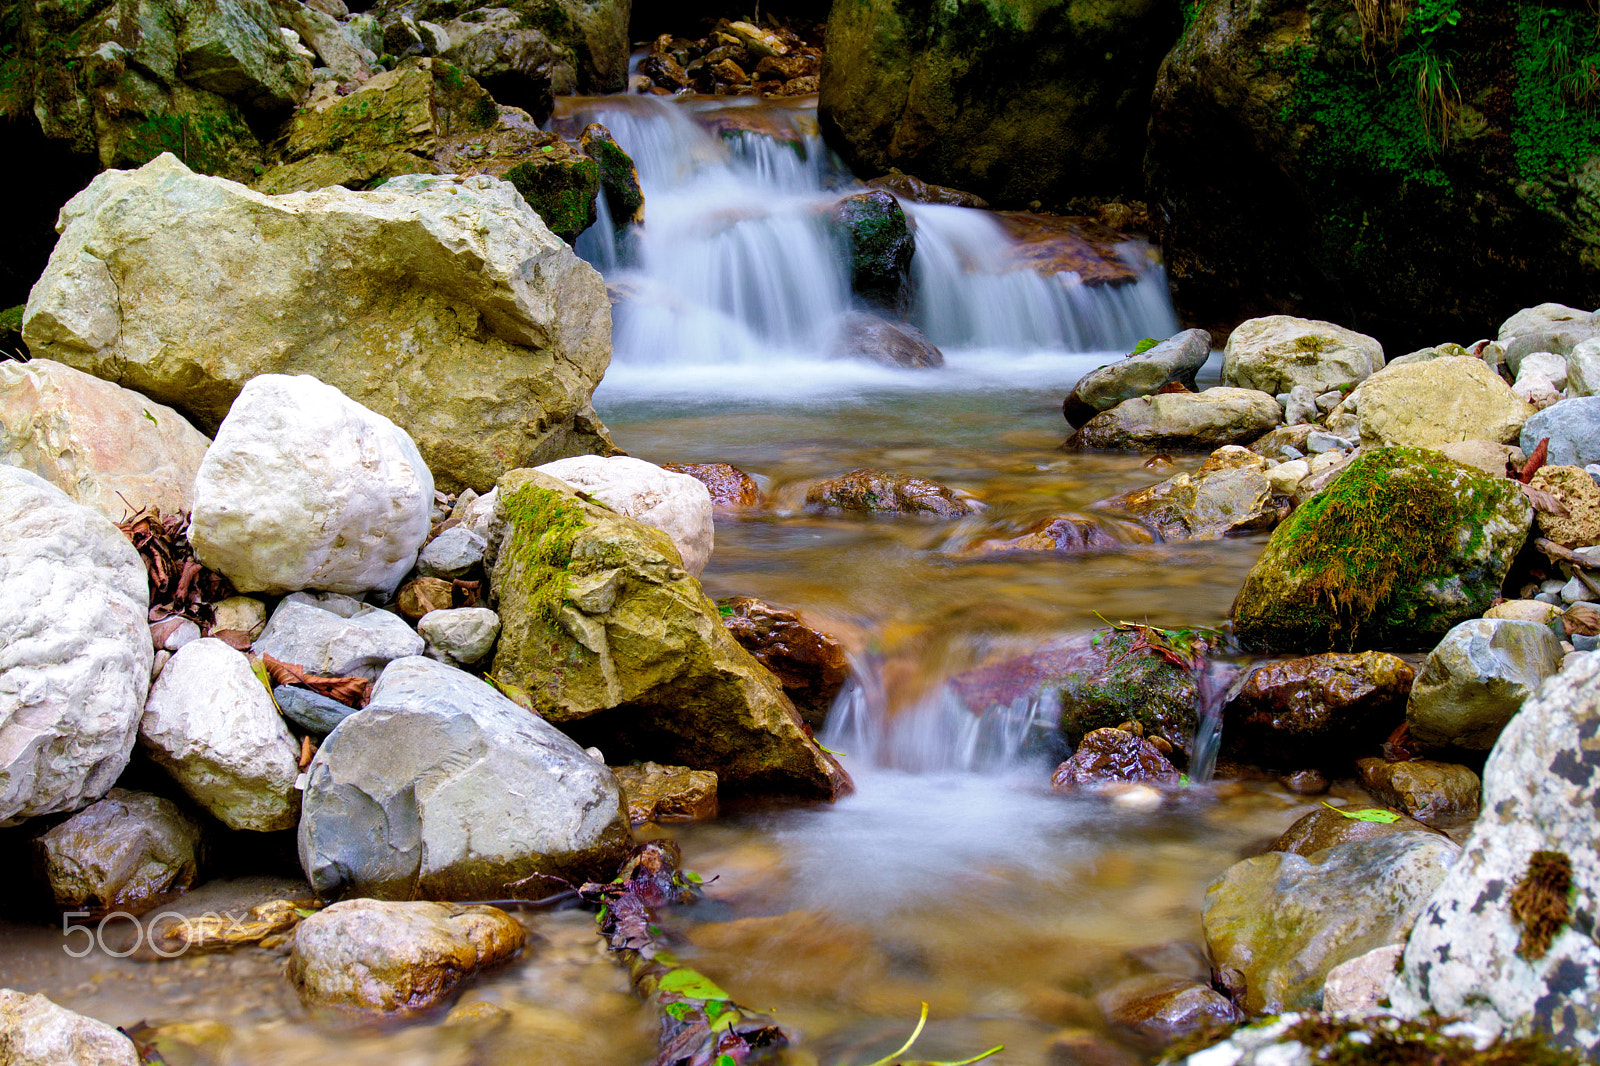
x: 877, y: 239
x: 1404, y: 544
x: 560, y: 183
x: 605, y: 634
x: 619, y: 178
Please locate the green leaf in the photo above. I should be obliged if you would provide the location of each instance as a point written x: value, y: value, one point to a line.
x: 150, y: 416
x: 1183, y: 779
x: 726, y: 1059
x: 1144, y: 346
x: 692, y: 984
x: 725, y: 611
x: 679, y: 1011
x: 693, y: 877
x: 1383, y: 817
x: 830, y: 751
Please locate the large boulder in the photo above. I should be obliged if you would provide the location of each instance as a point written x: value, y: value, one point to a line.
x: 1477, y: 677
x: 1278, y: 352
x: 105, y: 446
x: 614, y: 640
x: 75, y: 650
x: 1043, y: 102
x: 441, y: 303
x: 1182, y: 420
x: 1508, y: 940
x: 589, y: 37
x: 442, y: 788
x: 305, y: 488
x: 1365, y: 206
x: 1436, y: 403
x: 1176, y: 359
x: 677, y: 504
x: 1284, y: 920
x: 379, y: 957
x: 211, y: 724
x: 127, y: 852
x: 878, y: 244
x: 1573, y: 429
x: 37, y: 1032
x: 1402, y: 545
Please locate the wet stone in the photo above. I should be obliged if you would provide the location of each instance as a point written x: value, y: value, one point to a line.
x: 1328, y: 827
x: 1113, y: 755
x: 128, y: 852
x: 1317, y: 710
x: 1437, y: 793
x: 656, y: 793
x: 865, y: 491
x: 811, y: 665
x: 1160, y: 1008
x: 731, y: 488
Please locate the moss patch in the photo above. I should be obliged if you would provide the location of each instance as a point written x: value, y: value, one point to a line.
x: 544, y: 526
x: 1396, y: 1042
x: 1541, y: 902
x: 561, y: 187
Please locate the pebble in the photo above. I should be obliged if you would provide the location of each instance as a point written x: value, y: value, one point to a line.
x: 452, y: 553
x: 311, y: 711
x: 1289, y: 451
x: 1317, y: 443
x: 1582, y: 642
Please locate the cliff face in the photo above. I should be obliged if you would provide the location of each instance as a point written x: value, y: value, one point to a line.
x: 1409, y: 181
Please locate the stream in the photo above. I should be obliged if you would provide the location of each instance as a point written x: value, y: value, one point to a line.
x: 953, y: 876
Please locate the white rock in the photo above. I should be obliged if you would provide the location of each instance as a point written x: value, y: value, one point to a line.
x: 1278, y: 352
x: 106, y: 447
x: 75, y: 651
x: 211, y: 724
x: 305, y: 488
x: 452, y: 553
x: 477, y: 513
x: 332, y: 645
x: 463, y: 634
x: 36, y: 1032
x: 676, y: 504
x: 1285, y: 478
x: 1583, y: 368
x: 246, y: 614
x: 1358, y: 985
x: 1546, y: 366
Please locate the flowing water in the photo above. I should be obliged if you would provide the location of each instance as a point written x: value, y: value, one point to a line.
x: 953, y: 876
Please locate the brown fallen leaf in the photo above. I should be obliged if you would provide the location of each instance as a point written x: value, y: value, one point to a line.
x: 354, y: 691
x: 1544, y: 502
x: 237, y: 639
x: 1535, y: 461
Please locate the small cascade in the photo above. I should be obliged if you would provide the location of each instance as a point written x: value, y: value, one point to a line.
x: 736, y: 267
x: 1212, y: 681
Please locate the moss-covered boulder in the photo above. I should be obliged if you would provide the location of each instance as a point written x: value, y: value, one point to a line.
x: 1100, y: 680
x: 619, y: 178
x: 613, y: 640
x: 877, y: 240
x: 1401, y: 546
x: 1043, y: 100
x: 561, y: 183
x: 1408, y: 216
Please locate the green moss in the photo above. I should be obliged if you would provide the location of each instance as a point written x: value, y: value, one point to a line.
x: 1398, y: 1042
x: 550, y: 19
x: 1542, y: 902
x: 561, y: 190
x: 1132, y: 684
x: 544, y: 525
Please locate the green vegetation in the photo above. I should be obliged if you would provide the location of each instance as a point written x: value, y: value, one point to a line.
x: 544, y: 525
x: 1397, y: 1042
x: 1554, y: 90
x: 561, y: 189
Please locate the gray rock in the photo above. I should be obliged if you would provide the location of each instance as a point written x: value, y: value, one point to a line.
x: 1317, y: 443
x: 866, y: 336
x: 1207, y: 419
x: 1583, y: 368
x: 1477, y: 677
x: 76, y: 658
x: 1278, y: 352
x: 1176, y: 359
x: 1285, y: 920
x: 464, y: 635
x: 1358, y: 985
x: 396, y: 958
x: 1573, y: 427
x: 443, y: 788
x: 452, y: 553
x: 126, y: 852
x: 1299, y: 406
x: 325, y: 643
x: 1470, y: 954
x: 210, y: 723
x: 311, y: 711
x: 36, y: 1032
x: 305, y: 488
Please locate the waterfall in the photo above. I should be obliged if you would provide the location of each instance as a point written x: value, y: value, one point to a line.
x: 736, y: 279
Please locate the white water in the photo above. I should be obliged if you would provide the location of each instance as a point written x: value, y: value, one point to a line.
x: 735, y: 286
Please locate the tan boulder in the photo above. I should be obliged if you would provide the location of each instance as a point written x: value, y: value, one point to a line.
x: 1186, y: 420
x: 1579, y: 497
x: 1278, y: 352
x: 106, y: 447
x: 1438, y: 402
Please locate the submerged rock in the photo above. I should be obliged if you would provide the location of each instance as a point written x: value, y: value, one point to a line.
x: 613, y: 639
x: 1476, y: 678
x: 382, y: 957
x: 1400, y: 547
x: 1230, y: 493
x: 77, y: 649
x: 1277, y: 353
x: 732, y: 490
x: 1508, y: 940
x: 1068, y: 534
x: 185, y: 287
x: 1320, y: 710
x: 867, y: 491
x: 656, y: 793
x: 104, y: 446
x: 1158, y: 1009
x: 1285, y: 920
x: 1182, y: 420
x: 864, y: 336
x: 127, y: 852
x: 442, y: 788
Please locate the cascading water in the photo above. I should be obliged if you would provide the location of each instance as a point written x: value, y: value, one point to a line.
x: 737, y: 284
